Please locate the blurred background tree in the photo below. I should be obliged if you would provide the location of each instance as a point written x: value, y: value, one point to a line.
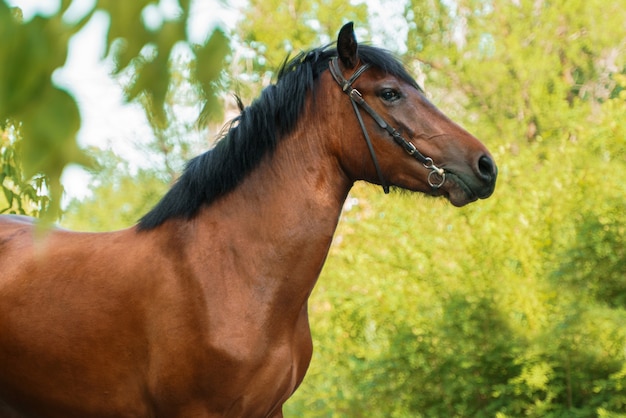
x: 120, y: 191
x: 514, y: 306
x: 19, y: 196
x: 47, y: 117
x: 275, y: 28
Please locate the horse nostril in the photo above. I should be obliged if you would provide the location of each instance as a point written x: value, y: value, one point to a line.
x: 487, y: 168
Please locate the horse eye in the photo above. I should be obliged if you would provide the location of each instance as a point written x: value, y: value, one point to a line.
x: 389, y: 95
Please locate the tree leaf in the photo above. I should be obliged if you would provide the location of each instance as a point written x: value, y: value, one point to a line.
x: 209, y: 63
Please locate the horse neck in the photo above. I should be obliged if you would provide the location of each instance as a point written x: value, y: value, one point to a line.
x: 277, y: 226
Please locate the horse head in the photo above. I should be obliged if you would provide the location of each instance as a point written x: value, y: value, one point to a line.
x: 409, y: 143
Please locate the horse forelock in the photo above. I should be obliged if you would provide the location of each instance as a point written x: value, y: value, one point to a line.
x: 255, y: 132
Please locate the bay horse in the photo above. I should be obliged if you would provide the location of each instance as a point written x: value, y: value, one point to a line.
x: 200, y: 310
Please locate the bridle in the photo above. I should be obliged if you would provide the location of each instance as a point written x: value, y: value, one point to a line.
x: 436, y: 177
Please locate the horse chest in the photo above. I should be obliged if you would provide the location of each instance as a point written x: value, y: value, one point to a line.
x: 233, y: 370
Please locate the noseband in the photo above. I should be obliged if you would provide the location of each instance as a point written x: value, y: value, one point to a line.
x: 436, y: 177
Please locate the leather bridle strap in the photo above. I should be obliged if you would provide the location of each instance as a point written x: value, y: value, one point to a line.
x: 357, y: 99
x: 346, y: 86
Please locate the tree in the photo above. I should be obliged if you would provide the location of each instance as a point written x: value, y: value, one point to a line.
x: 120, y: 192
x: 273, y: 29
x: 48, y: 116
x: 19, y: 196
x: 521, y: 68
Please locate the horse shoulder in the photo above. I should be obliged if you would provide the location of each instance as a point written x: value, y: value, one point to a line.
x: 74, y: 299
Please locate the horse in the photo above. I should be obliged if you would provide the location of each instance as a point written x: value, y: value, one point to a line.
x: 200, y: 309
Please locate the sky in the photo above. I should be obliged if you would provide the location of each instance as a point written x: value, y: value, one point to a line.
x: 108, y: 122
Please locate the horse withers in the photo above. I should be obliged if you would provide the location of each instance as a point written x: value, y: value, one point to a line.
x: 200, y: 310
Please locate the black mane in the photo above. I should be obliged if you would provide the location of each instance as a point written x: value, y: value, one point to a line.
x: 254, y: 133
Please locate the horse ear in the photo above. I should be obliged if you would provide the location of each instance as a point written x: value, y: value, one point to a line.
x: 347, y: 46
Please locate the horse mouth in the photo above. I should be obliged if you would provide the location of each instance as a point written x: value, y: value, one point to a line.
x: 457, y: 191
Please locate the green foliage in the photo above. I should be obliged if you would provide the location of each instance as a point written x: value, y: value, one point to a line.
x: 49, y: 116
x: 209, y: 62
x: 276, y: 28
x: 121, y: 193
x: 521, y: 68
x: 18, y: 196
x: 177, y: 134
